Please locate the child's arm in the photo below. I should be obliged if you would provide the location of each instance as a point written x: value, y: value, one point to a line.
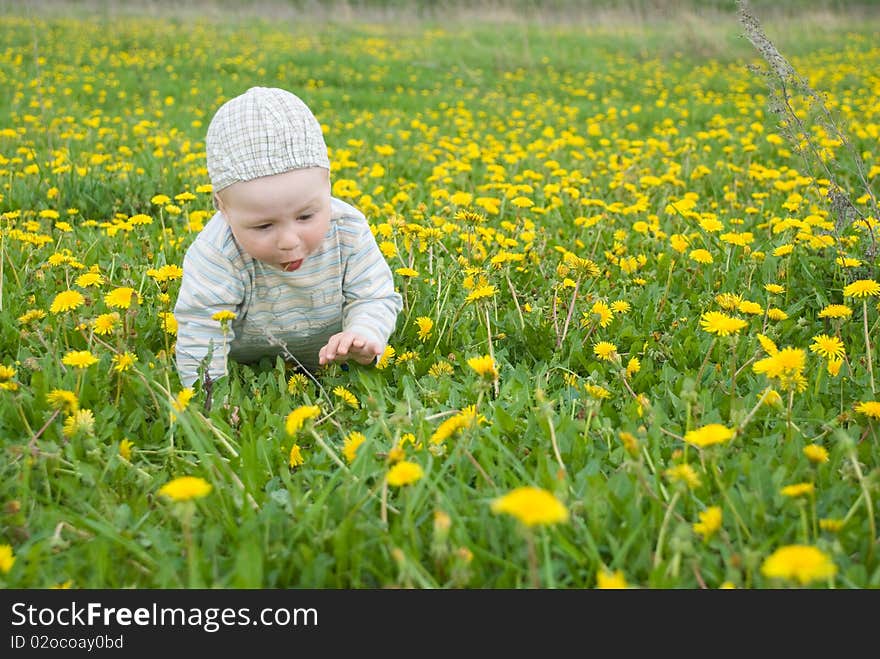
x: 371, y: 305
x: 210, y: 284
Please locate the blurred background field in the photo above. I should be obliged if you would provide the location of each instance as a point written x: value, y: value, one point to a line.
x: 592, y: 197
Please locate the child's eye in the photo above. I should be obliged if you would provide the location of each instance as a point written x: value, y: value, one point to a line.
x: 262, y: 227
x: 307, y: 216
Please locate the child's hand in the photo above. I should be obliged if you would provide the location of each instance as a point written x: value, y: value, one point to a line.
x: 348, y: 345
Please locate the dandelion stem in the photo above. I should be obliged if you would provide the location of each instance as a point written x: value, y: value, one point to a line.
x: 868, y: 342
x: 533, y: 558
x: 574, y: 295
x: 726, y: 497
x: 661, y: 536
x: 753, y: 411
x: 522, y: 321
x: 866, y: 495
x: 705, y: 361
x: 491, y: 349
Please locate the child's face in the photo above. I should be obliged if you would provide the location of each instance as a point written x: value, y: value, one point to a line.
x: 281, y: 219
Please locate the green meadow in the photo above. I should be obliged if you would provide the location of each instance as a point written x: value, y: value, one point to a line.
x: 639, y: 336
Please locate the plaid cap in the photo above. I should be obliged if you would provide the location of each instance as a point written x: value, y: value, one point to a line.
x: 262, y: 132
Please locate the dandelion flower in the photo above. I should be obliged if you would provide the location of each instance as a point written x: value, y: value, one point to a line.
x: 683, y: 473
x: 125, y: 447
x: 633, y: 366
x: 801, y: 563
x: 404, y: 473
x: 296, y: 458
x: 425, y: 326
x: 223, y: 316
x: 603, y: 312
x: 836, y: 311
x: 862, y: 288
x: 407, y: 272
x: 64, y: 400
x: 439, y: 369
x: 481, y: 293
x: 816, y: 454
x: 776, y: 314
x: 124, y: 361
x: 386, y: 358
x: 81, y: 422
x: 620, y: 306
x: 351, y: 444
x: 607, y: 580
x: 105, y: 323
x: 833, y: 366
x: 67, y: 301
x: 79, y: 359
x: 869, y: 408
x: 714, y: 433
x: 775, y: 289
x: 120, y: 298
x: 7, y: 559
x: 347, y: 397
x: 484, y: 366
x: 710, y: 522
x: 605, y: 350
x: 89, y: 279
x: 797, y: 490
x: 299, y: 416
x: 531, y: 506
x: 832, y: 525
x: 701, y: 256
x: 829, y: 347
x: 297, y: 383
x: 185, y: 488
x: 721, y: 324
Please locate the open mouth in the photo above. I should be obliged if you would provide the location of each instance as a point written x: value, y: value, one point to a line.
x: 290, y: 266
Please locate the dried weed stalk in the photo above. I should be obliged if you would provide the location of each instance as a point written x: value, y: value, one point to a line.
x: 801, y: 110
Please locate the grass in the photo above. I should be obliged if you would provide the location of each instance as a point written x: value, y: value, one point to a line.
x: 574, y: 170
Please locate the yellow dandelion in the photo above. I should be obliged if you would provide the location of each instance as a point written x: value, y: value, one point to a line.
x: 605, y: 350
x: 120, y: 298
x: 798, y: 490
x: 532, y: 506
x: 386, y: 358
x: 223, y: 316
x: 89, y: 279
x: 829, y: 347
x: 721, y: 324
x: 710, y: 522
x: 683, y: 473
x: 351, y: 444
x: 81, y: 422
x: 105, y: 323
x: 124, y: 361
x: 79, y: 359
x: 185, y: 488
x: 801, y: 563
x: 64, y: 400
x: 297, y: 383
x: 439, y: 369
x: 869, y: 408
x: 425, y: 326
x: 484, y: 366
x: 816, y: 454
x: 701, y: 256
x: 835, y: 311
x: 297, y: 418
x: 404, y: 473
x: 633, y: 366
x: 607, y: 580
x: 713, y: 433
x: 347, y: 397
x: 125, y: 447
x: 862, y: 288
x: 7, y: 559
x: 295, y: 459
x: 67, y: 301
x: 481, y: 293
x: 776, y: 314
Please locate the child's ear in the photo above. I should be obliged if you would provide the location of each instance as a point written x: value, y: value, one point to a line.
x: 218, y: 204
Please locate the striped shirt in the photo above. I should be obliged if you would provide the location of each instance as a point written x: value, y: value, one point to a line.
x: 345, y: 285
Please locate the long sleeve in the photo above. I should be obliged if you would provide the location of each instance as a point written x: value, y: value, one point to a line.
x: 371, y: 304
x: 210, y: 284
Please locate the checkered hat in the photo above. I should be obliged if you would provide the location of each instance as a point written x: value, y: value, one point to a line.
x: 262, y: 132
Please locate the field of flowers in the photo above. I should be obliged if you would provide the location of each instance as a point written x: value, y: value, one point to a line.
x: 637, y: 346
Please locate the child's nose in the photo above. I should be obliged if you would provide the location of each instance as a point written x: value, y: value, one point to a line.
x: 288, y: 238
